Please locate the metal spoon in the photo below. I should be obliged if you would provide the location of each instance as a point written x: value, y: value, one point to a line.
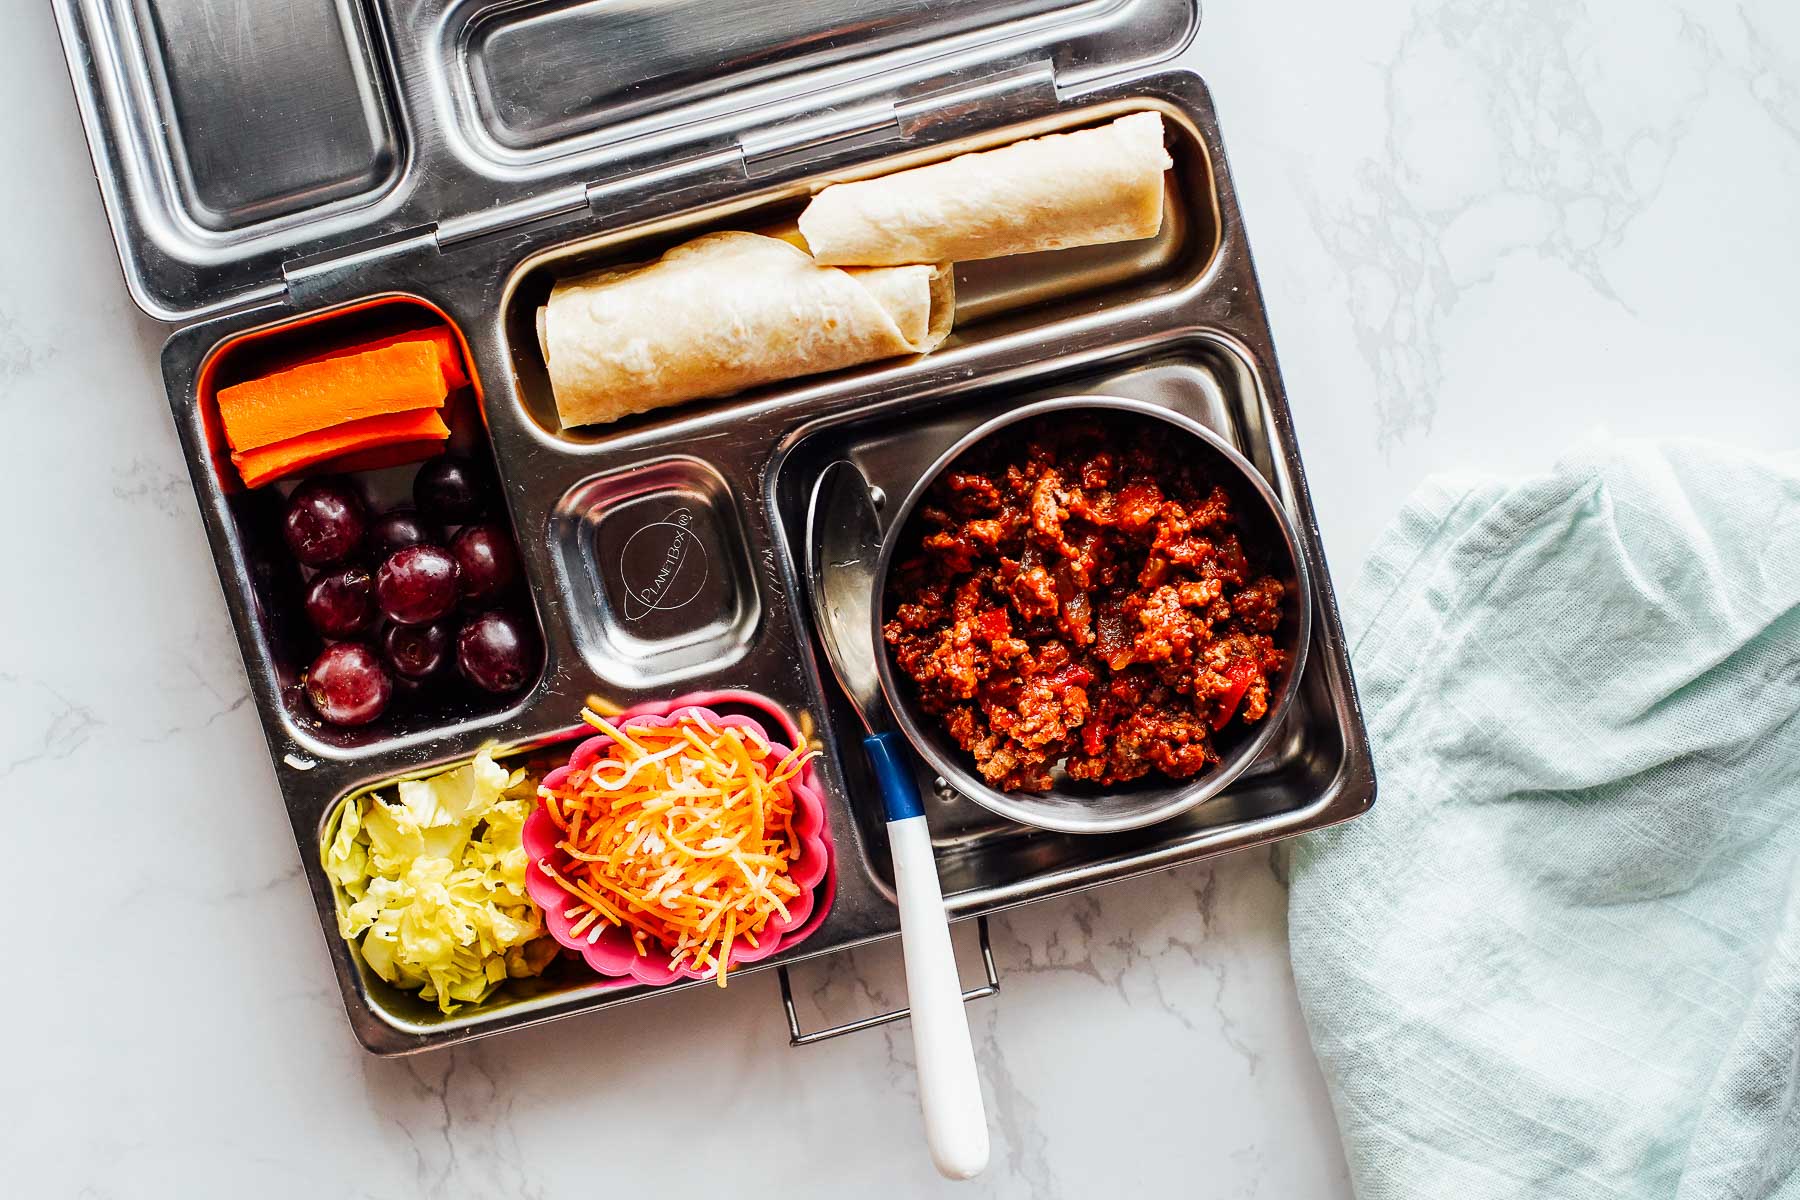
x: 843, y: 541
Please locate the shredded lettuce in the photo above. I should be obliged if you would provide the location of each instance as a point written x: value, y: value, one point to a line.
x: 433, y: 883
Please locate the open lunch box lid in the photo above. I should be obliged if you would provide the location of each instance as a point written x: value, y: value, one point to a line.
x: 240, y: 145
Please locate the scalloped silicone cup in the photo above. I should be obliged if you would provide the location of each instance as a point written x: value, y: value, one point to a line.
x: 613, y: 954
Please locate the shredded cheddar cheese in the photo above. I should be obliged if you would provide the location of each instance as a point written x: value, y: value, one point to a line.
x: 683, y: 834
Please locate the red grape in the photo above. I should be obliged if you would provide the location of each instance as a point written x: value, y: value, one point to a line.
x: 418, y: 584
x: 341, y: 603
x: 417, y: 651
x: 488, y: 561
x: 399, y: 528
x: 324, y: 522
x: 449, y: 489
x: 494, y: 653
x: 347, y: 684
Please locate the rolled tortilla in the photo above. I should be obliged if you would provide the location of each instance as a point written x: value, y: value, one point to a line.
x: 1066, y: 189
x: 725, y: 312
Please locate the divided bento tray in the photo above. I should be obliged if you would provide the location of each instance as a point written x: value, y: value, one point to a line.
x: 451, y: 189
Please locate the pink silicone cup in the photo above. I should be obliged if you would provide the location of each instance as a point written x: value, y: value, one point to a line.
x: 613, y: 954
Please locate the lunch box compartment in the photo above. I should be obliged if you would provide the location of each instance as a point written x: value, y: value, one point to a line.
x: 405, y: 1011
x: 231, y: 88
x: 532, y: 79
x: 654, y: 562
x: 227, y: 133
x: 567, y: 980
x: 548, y: 78
x: 1203, y: 377
x: 995, y: 297
x: 273, y: 583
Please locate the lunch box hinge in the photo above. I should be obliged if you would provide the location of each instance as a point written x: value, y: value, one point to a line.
x: 1024, y: 89
x: 767, y: 151
x: 637, y: 189
x: 313, y: 275
x: 1019, y: 89
x: 504, y: 218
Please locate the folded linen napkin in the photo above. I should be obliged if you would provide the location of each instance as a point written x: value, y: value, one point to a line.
x: 1561, y: 955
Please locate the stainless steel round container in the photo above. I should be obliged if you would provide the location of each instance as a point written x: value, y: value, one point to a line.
x: 1070, y: 806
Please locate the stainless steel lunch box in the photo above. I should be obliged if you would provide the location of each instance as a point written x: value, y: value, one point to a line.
x: 269, y: 164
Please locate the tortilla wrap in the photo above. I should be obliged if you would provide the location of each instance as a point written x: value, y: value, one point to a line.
x: 725, y: 312
x: 1065, y: 189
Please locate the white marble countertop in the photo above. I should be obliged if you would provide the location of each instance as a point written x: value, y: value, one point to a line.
x: 1484, y: 229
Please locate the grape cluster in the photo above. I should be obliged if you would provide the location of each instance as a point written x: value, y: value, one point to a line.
x: 398, y: 596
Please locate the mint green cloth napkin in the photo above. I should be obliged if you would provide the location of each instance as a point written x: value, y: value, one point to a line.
x: 1561, y: 955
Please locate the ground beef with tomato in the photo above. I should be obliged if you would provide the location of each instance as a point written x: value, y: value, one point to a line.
x: 1075, y: 592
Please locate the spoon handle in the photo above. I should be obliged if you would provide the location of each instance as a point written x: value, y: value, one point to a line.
x: 949, y: 1088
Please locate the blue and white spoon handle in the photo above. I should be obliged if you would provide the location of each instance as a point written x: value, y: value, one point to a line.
x: 949, y: 1088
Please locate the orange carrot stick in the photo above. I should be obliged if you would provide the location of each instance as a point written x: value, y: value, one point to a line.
x: 449, y: 351
x: 282, y: 458
x: 314, y: 396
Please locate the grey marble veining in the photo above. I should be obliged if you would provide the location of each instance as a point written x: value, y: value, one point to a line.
x: 1484, y: 228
